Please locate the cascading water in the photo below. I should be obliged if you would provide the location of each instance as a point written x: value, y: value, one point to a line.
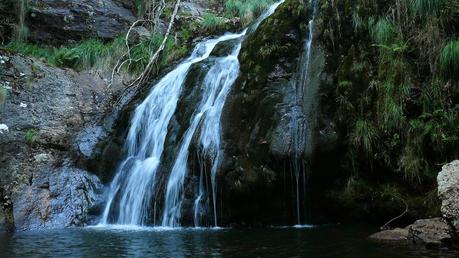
x: 218, y: 83
x: 135, y: 181
x: 301, y: 131
x: 21, y: 31
x: 132, y: 190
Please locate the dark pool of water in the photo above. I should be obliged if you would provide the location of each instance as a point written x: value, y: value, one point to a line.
x: 324, y: 241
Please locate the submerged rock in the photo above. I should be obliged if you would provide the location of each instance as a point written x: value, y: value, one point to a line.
x: 397, y: 234
x: 448, y: 192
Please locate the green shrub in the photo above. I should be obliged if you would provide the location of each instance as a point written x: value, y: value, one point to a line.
x: 425, y: 8
x: 247, y: 10
x: 31, y: 136
x: 364, y: 136
x: 212, y: 23
x: 383, y: 31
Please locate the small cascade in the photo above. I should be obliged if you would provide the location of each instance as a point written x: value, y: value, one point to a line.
x: 301, y: 131
x: 133, y: 190
x: 21, y: 30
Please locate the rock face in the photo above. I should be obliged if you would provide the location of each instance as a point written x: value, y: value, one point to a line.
x: 54, y: 119
x: 65, y: 21
x: 257, y: 121
x: 7, y: 208
x: 448, y: 192
x: 57, y: 198
x: 430, y: 232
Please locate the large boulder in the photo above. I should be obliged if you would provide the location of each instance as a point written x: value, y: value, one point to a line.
x: 65, y: 21
x: 448, y: 192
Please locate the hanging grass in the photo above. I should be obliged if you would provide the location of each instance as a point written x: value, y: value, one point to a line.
x: 449, y: 61
x: 94, y: 54
x: 212, y: 23
x: 247, y: 10
x: 364, y: 136
x: 426, y: 8
x: 383, y: 31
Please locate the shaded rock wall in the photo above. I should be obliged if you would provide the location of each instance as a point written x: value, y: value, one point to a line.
x: 60, y: 22
x: 255, y: 176
x: 57, y: 22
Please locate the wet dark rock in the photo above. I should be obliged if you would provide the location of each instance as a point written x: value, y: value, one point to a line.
x: 256, y: 120
x: 57, y: 198
x: 8, y: 19
x: 61, y: 22
x: 7, y: 208
x: 433, y: 233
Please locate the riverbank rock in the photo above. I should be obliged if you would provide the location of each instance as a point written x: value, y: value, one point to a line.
x: 52, y: 119
x: 397, y: 234
x: 432, y: 233
x: 448, y: 192
x: 61, y: 22
x: 57, y: 198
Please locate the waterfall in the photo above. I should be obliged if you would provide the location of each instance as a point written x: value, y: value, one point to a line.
x: 301, y: 131
x: 21, y: 30
x: 218, y: 83
x: 133, y: 188
x: 135, y: 181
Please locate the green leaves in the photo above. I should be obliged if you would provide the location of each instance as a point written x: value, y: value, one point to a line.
x: 449, y: 61
x: 425, y: 8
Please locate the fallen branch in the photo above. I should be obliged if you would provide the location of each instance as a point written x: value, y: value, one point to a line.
x: 148, y: 69
x: 145, y: 75
x: 385, y: 226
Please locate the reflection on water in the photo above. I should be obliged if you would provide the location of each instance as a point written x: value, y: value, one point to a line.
x: 327, y: 241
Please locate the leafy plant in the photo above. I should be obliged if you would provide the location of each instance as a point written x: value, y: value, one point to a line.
x: 364, y: 136
x: 449, y: 61
x: 425, y: 8
x: 31, y: 136
x: 212, y: 23
x: 247, y: 10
